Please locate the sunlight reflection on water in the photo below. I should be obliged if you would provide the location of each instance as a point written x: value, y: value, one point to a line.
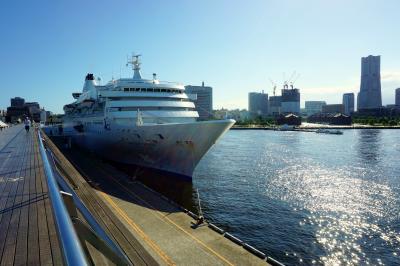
x: 342, y: 191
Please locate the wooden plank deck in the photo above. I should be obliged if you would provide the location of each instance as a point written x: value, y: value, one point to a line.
x: 27, y: 229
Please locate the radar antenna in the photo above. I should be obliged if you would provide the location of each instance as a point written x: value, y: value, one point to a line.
x: 134, y: 61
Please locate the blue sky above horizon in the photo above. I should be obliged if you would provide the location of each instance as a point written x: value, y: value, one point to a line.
x: 47, y: 47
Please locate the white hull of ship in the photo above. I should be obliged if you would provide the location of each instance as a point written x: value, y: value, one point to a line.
x: 175, y: 148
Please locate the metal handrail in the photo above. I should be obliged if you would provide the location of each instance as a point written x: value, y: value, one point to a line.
x: 71, y: 248
x: 89, y: 217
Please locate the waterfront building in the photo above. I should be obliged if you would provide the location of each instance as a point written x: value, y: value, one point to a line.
x: 289, y: 119
x: 275, y: 105
x: 348, y: 103
x: 290, y: 101
x: 236, y: 114
x: 44, y: 115
x: 370, y: 96
x: 19, y: 109
x: 333, y: 108
x: 17, y: 102
x: 258, y: 104
x: 3, y: 115
x: 330, y: 118
x: 314, y: 107
x: 203, y: 100
x: 33, y: 110
x: 397, y: 102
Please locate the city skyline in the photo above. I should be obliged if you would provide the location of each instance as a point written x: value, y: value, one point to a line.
x: 46, y: 52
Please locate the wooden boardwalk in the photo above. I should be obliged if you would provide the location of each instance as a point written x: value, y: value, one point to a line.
x: 27, y: 229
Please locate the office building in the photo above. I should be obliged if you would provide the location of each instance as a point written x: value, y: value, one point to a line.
x: 275, y: 105
x: 333, y: 108
x: 370, y: 96
x: 314, y: 107
x: 20, y: 109
x: 203, y: 100
x: 290, y: 101
x: 348, y: 103
x: 17, y: 102
x: 258, y: 104
x: 397, y: 101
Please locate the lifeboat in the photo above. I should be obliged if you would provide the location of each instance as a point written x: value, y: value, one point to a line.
x: 87, y: 103
x: 68, y: 108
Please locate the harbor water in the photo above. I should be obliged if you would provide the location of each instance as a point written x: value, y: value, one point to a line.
x: 306, y: 198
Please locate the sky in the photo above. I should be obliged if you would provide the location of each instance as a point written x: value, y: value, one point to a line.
x: 47, y: 47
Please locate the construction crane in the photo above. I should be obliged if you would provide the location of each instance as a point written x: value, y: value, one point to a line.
x: 273, y: 85
x: 295, y: 78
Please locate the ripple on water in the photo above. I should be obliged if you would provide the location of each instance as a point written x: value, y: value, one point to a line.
x: 307, y: 198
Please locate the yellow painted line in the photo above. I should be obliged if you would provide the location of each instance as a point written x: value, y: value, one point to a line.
x: 137, y: 229
x: 178, y: 226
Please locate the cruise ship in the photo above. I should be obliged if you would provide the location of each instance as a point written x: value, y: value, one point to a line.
x: 144, y: 122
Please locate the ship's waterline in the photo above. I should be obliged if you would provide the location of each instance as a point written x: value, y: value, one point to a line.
x: 174, y: 148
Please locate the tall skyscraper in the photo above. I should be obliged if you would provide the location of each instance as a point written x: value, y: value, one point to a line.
x: 348, y: 103
x: 397, y: 97
x: 203, y: 102
x: 258, y: 104
x: 370, y: 96
x: 314, y: 107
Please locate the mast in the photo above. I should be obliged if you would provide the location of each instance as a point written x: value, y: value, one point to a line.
x: 134, y: 61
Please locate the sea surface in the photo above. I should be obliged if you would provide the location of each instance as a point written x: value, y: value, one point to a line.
x: 305, y: 198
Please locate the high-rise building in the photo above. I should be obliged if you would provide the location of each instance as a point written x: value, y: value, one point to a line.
x: 275, y: 105
x: 370, y: 96
x: 290, y: 101
x: 203, y: 101
x: 397, y: 102
x: 258, y: 104
x: 348, y: 103
x: 17, y: 102
x: 314, y: 107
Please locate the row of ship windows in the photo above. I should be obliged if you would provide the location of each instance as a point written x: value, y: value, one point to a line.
x: 152, y: 90
x: 119, y: 109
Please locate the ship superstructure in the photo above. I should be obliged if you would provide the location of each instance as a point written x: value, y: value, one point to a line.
x: 139, y: 121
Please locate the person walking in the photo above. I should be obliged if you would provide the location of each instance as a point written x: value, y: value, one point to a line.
x: 27, y: 123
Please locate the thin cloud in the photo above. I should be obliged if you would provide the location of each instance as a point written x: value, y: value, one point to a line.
x: 329, y: 90
x: 390, y: 76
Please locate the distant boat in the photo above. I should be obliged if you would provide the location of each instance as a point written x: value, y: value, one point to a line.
x: 286, y: 127
x: 329, y: 131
